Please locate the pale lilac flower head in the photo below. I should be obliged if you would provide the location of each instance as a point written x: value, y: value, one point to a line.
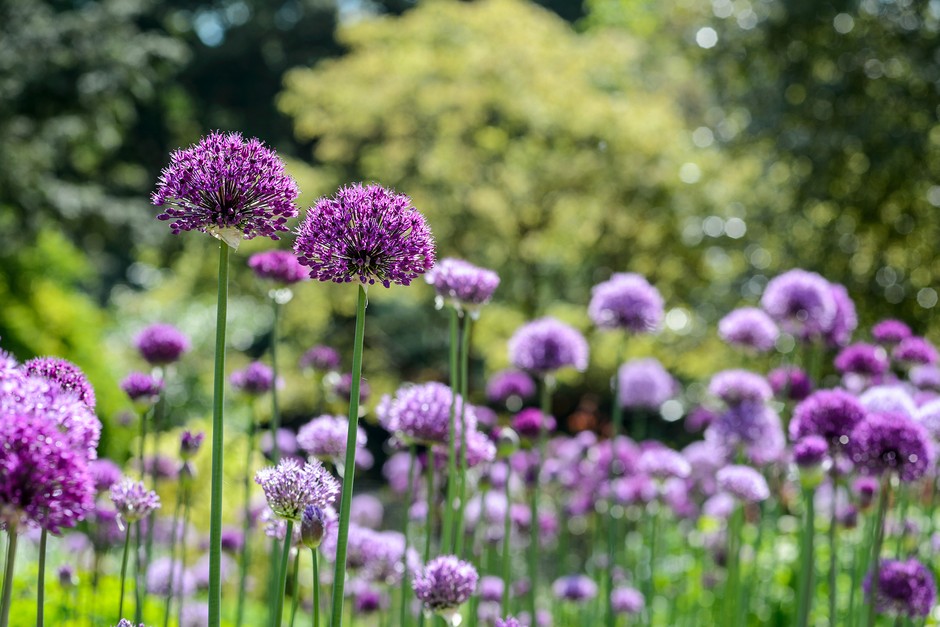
x: 905, y: 588
x: 892, y: 443
x: 508, y: 383
x: 126, y: 623
x: 65, y: 374
x: 462, y: 285
x: 801, y: 302
x: 547, y: 344
x: 752, y: 426
x: 890, y: 332
x: 913, y: 351
x: 865, y: 488
x: 740, y: 386
x: 320, y: 358
x: 104, y: 473
x: 861, y: 358
x: 324, y: 437
x: 925, y: 377
x: 574, y: 588
x: 749, y: 327
x: 810, y: 451
x: 161, y: 344
x: 626, y: 600
x: 830, y: 414
x: 255, y: 379
x: 480, y: 449
x: 662, y: 463
x: 421, y: 413
x: 279, y: 266
x: 491, y: 589
x: 928, y: 415
x: 644, y: 384
x: 888, y: 398
x: 141, y: 388
x: 626, y: 301
x: 190, y: 443
x: 133, y: 500
x: 228, y: 187
x: 845, y: 320
x: 365, y: 234
x: 290, y: 487
x: 366, y: 510
x: 445, y: 583
x: 790, y: 383
x: 509, y: 621
x: 744, y: 483
x: 167, y: 576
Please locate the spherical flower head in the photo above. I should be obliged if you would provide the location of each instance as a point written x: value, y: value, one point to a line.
x: 753, y: 426
x: 892, y: 443
x: 365, y: 233
x: 491, y: 589
x: 801, y: 302
x: 167, y: 576
x: 750, y: 328
x: 366, y: 510
x: 890, y: 332
x: 312, y: 526
x: 104, y: 474
x: 913, y: 351
x: 255, y: 379
x: 290, y: 487
x: 626, y: 600
x: 810, y: 451
x: 42, y: 479
x: 830, y: 414
x: 644, y: 384
x: 190, y: 443
x: 861, y: 358
x: 926, y: 377
x: 324, y: 437
x: 547, y: 344
x: 626, y: 301
x: 143, y: 389
x: 905, y: 588
x: 508, y: 383
x: 574, y: 588
x: 161, y: 344
x: 462, y: 285
x: 445, y: 583
x: 226, y: 186
x: 279, y: 266
x: 367, y: 599
x: 740, y: 386
x: 342, y: 388
x: 790, y: 383
x: 480, y: 449
x: 530, y: 422
x: 888, y: 399
x: 133, y: 500
x: 744, y: 483
x: 663, y: 463
x: 865, y: 488
x: 845, y: 320
x: 65, y: 374
x: 421, y: 413
x: 509, y: 621
x: 321, y: 359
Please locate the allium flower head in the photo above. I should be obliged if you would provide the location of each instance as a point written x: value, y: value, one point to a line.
x: 744, y: 483
x: 914, y: 351
x: 480, y: 449
x: 509, y: 621
x: 888, y: 399
x: 312, y: 526
x: 279, y: 266
x: 892, y: 442
x: 750, y: 425
x: 445, y: 583
x: 905, y: 588
x: 161, y: 344
x: 421, y: 413
x: 342, y: 388
x: 462, y: 285
x: 365, y: 233
x: 547, y: 344
x: 290, y: 487
x: 810, y: 451
x: 801, y: 302
x: 890, y: 332
x: 626, y: 301
x: 749, y: 327
x: 865, y: 488
x: 530, y: 422
x: 104, y: 473
x: 830, y: 414
x: 126, y: 623
x: 574, y: 588
x: 739, y: 386
x: 65, y: 374
x: 228, y: 187
x: 320, y: 358
x: 626, y: 600
x: 190, y: 443
x: 662, y: 463
x: 845, y: 320
x: 925, y: 377
x: 133, y: 500
x: 255, y: 379
x: 141, y: 388
x: 507, y: 383
x: 790, y: 383
x: 862, y: 358
x: 644, y: 384
x: 324, y: 437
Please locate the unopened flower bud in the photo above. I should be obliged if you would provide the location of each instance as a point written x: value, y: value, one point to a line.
x: 312, y: 526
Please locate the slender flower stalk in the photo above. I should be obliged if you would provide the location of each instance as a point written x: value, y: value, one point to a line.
x: 548, y: 384
x: 41, y: 581
x: 409, y: 492
x: 282, y: 576
x: 316, y: 589
x: 295, y: 593
x: 879, y: 533
x: 127, y: 544
x: 464, y: 361
x: 8, y: 576
x: 447, y: 530
x: 833, y: 527
x: 807, y: 561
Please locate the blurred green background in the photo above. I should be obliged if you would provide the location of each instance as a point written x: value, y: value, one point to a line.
x: 706, y: 145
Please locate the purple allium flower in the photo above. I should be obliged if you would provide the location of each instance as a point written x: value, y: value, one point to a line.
x: 480, y: 449
x: 159, y: 577
x: 744, y: 483
x: 190, y: 443
x: 280, y: 266
x: 509, y: 621
x: 662, y: 463
x: 890, y: 332
x: 739, y: 386
x: 445, y: 583
x: 421, y: 413
x: 133, y: 500
x: 626, y: 600
x: 699, y: 418
x: 66, y: 576
x: 228, y: 187
x: 289, y: 487
x: 161, y: 344
x: 831, y: 414
x: 233, y: 539
x: 861, y: 358
x: 141, y: 388
x: 320, y: 358
x: 810, y: 451
x: 491, y: 588
x: 865, y: 488
x: 913, y: 351
x: 462, y: 285
x: 801, y: 302
x: 790, y: 383
x: 312, y: 526
x: 104, y: 473
x: 753, y: 426
x: 366, y: 510
x: 42, y: 478
x: 626, y: 301
x: 749, y: 327
x: 545, y: 345
x: 574, y: 588
x: 925, y: 377
x: 644, y: 384
x: 845, y: 320
x: 365, y: 233
x: 194, y: 613
x: 286, y: 442
x: 367, y: 599
x: 342, y: 388
x: 255, y: 379
x: 905, y: 588
x: 509, y: 383
x: 888, y: 399
x: 324, y: 437
x: 719, y: 506
x: 530, y: 422
x: 126, y: 623
x: 891, y: 442
x: 65, y: 374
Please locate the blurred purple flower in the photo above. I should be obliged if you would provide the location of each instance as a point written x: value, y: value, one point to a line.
x: 421, y: 413
x: 279, y: 266
x: 547, y: 344
x: 626, y: 600
x: 845, y: 320
x: 507, y: 383
x: 255, y: 379
x: 744, y: 483
x: 324, y: 437
x: 802, y: 303
x: 831, y: 414
x: 133, y: 500
x: 574, y: 588
x: 892, y: 443
x: 905, y: 588
x: 749, y: 327
x: 462, y: 285
x: 65, y: 374
x: 161, y: 344
x: 626, y: 301
x: 144, y: 390
x: 914, y: 351
x: 861, y: 358
x: 890, y: 332
x: 445, y: 583
x: 320, y: 358
x: 790, y: 383
x: 645, y: 384
x: 888, y: 398
x: 739, y: 386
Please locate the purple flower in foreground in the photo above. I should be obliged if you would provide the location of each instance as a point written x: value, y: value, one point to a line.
x: 801, y: 302
x: 290, y: 487
x: 255, y: 379
x: 831, y: 414
x: 65, y: 374
x: 365, y: 234
x: 445, y: 583
x: 790, y: 383
x: 462, y: 285
x: 421, y: 413
x: 749, y: 327
x: 508, y: 383
x: 644, y: 384
x: 913, y: 351
x: 905, y: 588
x: 547, y: 344
x: 142, y: 389
x: 574, y: 588
x: 161, y: 344
x: 228, y: 187
x: 280, y: 266
x: 890, y: 332
x: 744, y: 483
x: 739, y: 386
x: 133, y: 500
x: 321, y: 358
x: 626, y: 600
x: 626, y: 301
x: 892, y: 442
x: 753, y: 426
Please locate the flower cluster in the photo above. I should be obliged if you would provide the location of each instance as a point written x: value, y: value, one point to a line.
x: 462, y: 285
x: 546, y: 345
x: 279, y: 266
x: 133, y: 500
x: 445, y: 583
x: 626, y: 301
x: 161, y: 344
x: 290, y: 487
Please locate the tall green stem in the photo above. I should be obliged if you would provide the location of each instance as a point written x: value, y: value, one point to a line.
x: 339, y: 576
x: 808, y: 564
x: 412, y: 454
x: 876, y: 547
x: 294, y: 596
x: 546, y: 407
x: 173, y: 571
x: 187, y: 494
x: 8, y: 577
x: 127, y: 546
x: 507, y: 556
x: 215, y: 514
x: 275, y: 407
x: 452, y: 478
x: 464, y: 386
x: 430, y: 519
x: 41, y: 584
x: 616, y: 426
x: 246, y: 526
x: 833, y: 564
x: 138, y: 589
x: 316, y: 590
x: 282, y: 577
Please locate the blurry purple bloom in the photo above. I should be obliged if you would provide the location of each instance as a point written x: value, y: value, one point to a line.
x: 574, y: 588
x: 133, y: 500
x: 366, y: 510
x: 904, y: 588
x: 143, y: 389
x: 507, y: 383
x: 925, y: 377
x: 845, y: 321
x: 421, y: 413
x: 509, y: 621
x: 626, y: 301
x: 491, y: 588
x: 190, y: 443
x: 286, y: 442
x: 719, y: 506
x: 913, y: 351
x: 739, y: 386
x: 161, y: 344
x: 699, y: 418
x: 289, y: 487
x: 480, y: 449
x: 753, y: 426
x: 194, y: 614
x: 888, y: 399
x: 890, y: 332
x: 801, y: 302
x: 320, y: 358
x: 545, y: 345
x: 65, y: 374
x: 279, y: 266
x: 865, y: 489
x: 367, y: 234
x: 626, y: 600
x: 228, y: 187
x: 790, y: 383
x: 255, y: 379
x: 487, y: 419
x: 232, y: 540
x: 744, y: 483
x: 324, y: 437
x: 66, y: 576
x: 159, y: 577
x: 749, y: 327
x: 662, y: 463
x: 831, y: 414
x: 367, y: 599
x: 104, y: 473
x: 644, y: 384
x: 810, y: 451
x: 530, y: 422
x: 462, y: 285
x: 395, y: 471
x: 865, y: 359
x: 892, y: 442
x: 445, y: 583
x: 342, y: 388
